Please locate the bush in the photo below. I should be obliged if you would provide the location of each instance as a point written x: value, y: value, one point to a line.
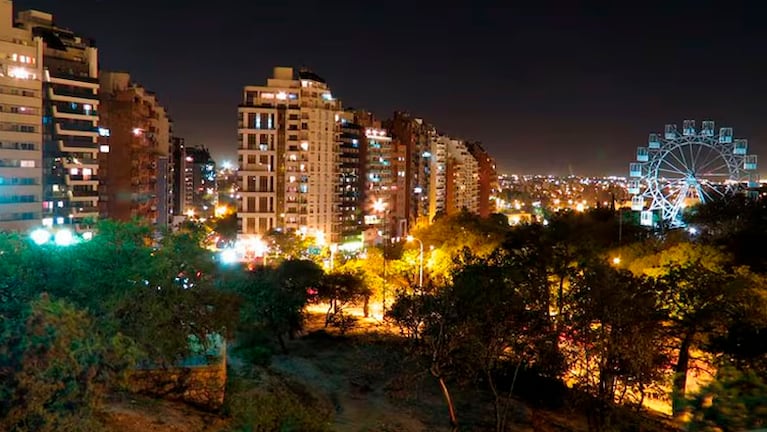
x: 56, y: 368
x: 275, y: 406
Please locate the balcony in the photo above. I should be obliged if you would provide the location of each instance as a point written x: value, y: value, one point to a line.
x: 84, y: 211
x: 85, y: 193
x: 80, y: 179
x: 70, y: 95
x: 84, y: 131
x: 74, y: 113
x: 78, y: 162
x: 77, y: 146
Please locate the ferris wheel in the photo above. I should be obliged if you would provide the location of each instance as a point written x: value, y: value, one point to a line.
x: 676, y: 170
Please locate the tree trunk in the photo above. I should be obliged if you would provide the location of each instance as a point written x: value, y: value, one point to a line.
x: 680, y: 372
x: 449, y: 401
x: 561, y: 297
x: 281, y: 340
x: 366, y: 306
x: 327, y: 315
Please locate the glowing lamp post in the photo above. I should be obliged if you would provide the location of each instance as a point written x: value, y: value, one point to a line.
x: 333, y: 249
x: 420, y: 260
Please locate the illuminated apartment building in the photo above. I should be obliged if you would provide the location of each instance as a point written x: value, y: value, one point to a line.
x: 351, y: 177
x: 412, y: 147
x: 70, y: 122
x: 487, y: 178
x: 200, y: 189
x: 462, y: 179
x: 289, y: 156
x: 21, y: 136
x: 136, y: 180
x: 438, y: 175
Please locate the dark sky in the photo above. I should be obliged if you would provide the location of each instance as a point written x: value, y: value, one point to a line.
x: 570, y: 87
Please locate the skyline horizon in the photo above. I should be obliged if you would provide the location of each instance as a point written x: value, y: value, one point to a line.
x: 576, y: 91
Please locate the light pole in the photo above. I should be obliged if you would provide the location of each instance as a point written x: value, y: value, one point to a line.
x: 379, y: 206
x: 333, y: 249
x: 420, y: 260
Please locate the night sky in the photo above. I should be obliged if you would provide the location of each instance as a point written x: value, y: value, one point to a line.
x: 573, y: 87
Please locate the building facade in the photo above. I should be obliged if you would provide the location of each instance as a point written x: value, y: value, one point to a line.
x: 462, y: 179
x: 178, y: 185
x: 289, y: 156
x: 487, y: 182
x: 438, y: 175
x: 136, y: 180
x: 200, y: 196
x: 70, y: 122
x: 351, y: 177
x: 21, y: 135
x: 412, y: 142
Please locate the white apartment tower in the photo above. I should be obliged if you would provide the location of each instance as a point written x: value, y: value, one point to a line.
x: 462, y: 178
x: 289, y: 156
x: 21, y: 139
x: 70, y: 122
x: 437, y: 174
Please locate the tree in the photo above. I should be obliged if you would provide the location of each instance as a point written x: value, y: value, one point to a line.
x: 56, y: 366
x: 734, y: 401
x: 274, y: 299
x: 703, y: 293
x: 615, y: 333
x: 340, y: 289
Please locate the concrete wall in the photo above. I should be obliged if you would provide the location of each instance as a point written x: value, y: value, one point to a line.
x: 201, y: 386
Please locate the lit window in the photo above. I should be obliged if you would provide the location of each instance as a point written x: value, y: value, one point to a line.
x: 267, y: 95
x: 60, y: 204
x: 73, y: 171
x: 27, y: 164
x: 20, y: 73
x: 59, y: 220
x: 104, y: 148
x: 305, y: 145
x: 87, y: 171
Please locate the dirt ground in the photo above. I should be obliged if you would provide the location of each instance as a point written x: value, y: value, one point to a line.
x: 372, y: 388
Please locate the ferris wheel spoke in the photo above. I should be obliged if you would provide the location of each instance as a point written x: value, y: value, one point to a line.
x: 682, y: 163
x: 711, y: 160
x: 716, y: 171
x: 673, y: 171
x: 697, y: 156
x: 674, y: 167
x: 691, y: 149
x: 720, y: 193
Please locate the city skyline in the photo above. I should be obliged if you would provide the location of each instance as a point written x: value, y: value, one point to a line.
x: 576, y: 92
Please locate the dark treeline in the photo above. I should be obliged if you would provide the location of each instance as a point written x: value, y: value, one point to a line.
x: 566, y: 313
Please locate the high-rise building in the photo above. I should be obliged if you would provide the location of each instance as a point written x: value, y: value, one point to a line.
x: 351, y: 176
x: 289, y: 156
x: 227, y: 187
x: 488, y: 178
x: 412, y: 141
x: 200, y: 195
x: 21, y: 136
x: 136, y: 169
x: 462, y: 179
x: 178, y: 160
x: 380, y: 170
x: 70, y: 121
x: 438, y: 175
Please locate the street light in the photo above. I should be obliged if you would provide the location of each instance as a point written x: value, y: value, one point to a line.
x: 333, y: 249
x: 420, y: 260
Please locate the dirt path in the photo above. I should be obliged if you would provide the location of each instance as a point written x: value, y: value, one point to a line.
x: 353, y: 379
